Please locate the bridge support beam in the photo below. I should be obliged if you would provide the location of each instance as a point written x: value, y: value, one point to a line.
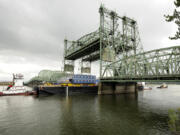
x: 117, y: 88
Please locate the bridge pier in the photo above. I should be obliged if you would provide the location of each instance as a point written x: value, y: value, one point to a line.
x: 117, y: 88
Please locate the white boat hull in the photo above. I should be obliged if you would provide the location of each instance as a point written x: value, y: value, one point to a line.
x: 16, y: 90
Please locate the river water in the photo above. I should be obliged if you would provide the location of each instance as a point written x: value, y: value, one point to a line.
x: 145, y: 114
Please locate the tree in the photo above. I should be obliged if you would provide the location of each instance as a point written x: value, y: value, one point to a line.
x: 176, y: 18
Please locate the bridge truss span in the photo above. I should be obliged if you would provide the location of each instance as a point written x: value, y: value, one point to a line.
x: 156, y: 65
x: 88, y: 43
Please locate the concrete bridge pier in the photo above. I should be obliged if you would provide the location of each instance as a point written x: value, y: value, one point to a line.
x: 117, y: 88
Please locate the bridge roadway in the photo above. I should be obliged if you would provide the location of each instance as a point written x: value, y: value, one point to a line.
x: 145, y: 78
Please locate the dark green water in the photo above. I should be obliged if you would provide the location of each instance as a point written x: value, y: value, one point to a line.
x: 89, y: 114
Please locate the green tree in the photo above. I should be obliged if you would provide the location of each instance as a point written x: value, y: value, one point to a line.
x: 176, y: 18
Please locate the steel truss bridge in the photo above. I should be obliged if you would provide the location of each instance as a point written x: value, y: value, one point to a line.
x: 117, y: 45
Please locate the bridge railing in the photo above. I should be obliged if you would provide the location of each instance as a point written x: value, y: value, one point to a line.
x: 155, y: 63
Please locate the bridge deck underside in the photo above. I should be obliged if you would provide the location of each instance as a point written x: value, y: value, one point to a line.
x: 84, y: 51
x: 149, y: 78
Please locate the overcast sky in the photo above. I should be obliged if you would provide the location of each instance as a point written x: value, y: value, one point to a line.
x: 32, y: 31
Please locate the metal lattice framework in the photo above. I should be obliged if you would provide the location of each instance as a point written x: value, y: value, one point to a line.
x: 156, y: 65
x: 119, y: 36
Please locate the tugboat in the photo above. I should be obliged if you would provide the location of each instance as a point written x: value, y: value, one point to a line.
x: 17, y: 88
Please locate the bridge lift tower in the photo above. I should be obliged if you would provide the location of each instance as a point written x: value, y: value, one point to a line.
x: 115, y: 38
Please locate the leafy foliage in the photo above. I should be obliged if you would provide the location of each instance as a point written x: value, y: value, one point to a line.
x: 176, y: 18
x: 174, y: 120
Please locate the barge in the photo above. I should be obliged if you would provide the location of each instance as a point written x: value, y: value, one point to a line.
x: 74, y: 84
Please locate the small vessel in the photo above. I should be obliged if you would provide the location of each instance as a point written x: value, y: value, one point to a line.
x: 163, y: 86
x: 17, y: 88
x: 142, y: 86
